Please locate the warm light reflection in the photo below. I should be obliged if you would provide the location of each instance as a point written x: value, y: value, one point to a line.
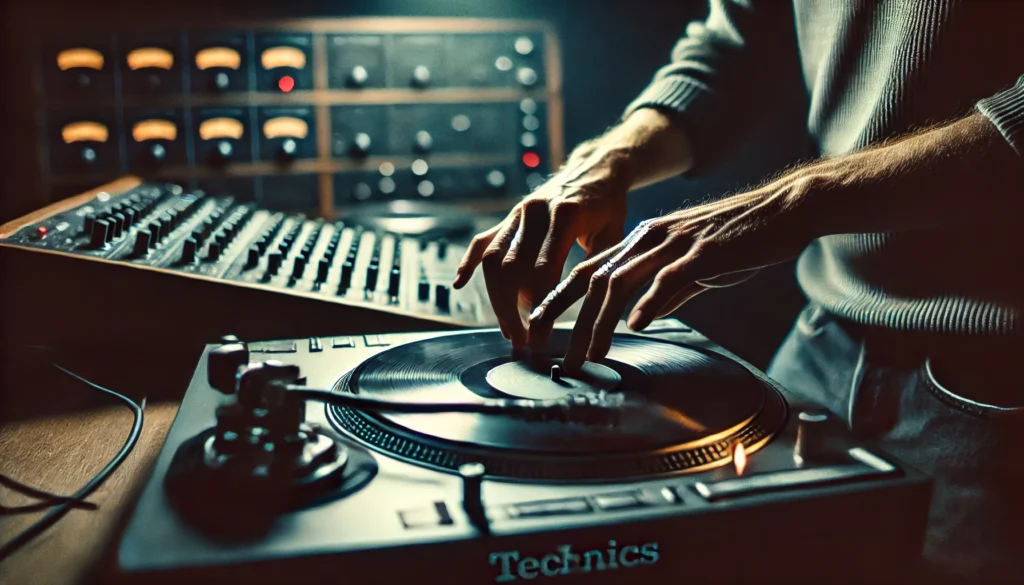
x: 84, y: 132
x: 150, y: 57
x: 220, y: 128
x: 79, y: 57
x: 275, y: 57
x: 285, y: 127
x: 739, y: 458
x: 154, y: 130
x: 225, y: 57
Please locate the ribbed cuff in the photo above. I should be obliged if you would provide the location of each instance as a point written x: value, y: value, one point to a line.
x: 692, y: 103
x: 1006, y: 111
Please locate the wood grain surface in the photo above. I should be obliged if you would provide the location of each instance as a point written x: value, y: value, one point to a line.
x: 60, y: 453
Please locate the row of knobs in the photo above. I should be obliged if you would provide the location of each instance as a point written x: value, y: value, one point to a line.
x: 106, y: 227
x: 216, y: 232
x: 422, y: 142
x: 157, y: 230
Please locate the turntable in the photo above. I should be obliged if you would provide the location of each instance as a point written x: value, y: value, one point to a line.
x: 441, y: 458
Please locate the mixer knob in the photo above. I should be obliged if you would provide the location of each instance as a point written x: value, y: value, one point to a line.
x: 346, y: 274
x: 156, y: 227
x: 394, y: 282
x: 361, y: 143
x: 252, y: 258
x: 814, y: 442
x: 87, y: 223
x: 322, y: 269
x: 88, y: 155
x: 273, y: 262
x: 496, y: 179
x: 288, y: 150
x: 362, y: 191
x: 130, y: 215
x: 223, y: 151
x: 442, y: 249
x: 420, y: 76
x: 223, y: 362
x: 220, y: 81
x: 298, y: 267
x: 157, y: 153
x: 153, y: 82
x: 172, y: 215
x: 213, y: 251
x: 526, y: 76
x: 358, y: 76
x: 83, y: 81
x: 188, y: 251
x: 371, y: 276
x: 423, y: 141
x: 143, y: 242
x: 423, y: 291
x: 100, y: 233
x: 261, y: 245
x: 120, y: 224
x: 442, y: 297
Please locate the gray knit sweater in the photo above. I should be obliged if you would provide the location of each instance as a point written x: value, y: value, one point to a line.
x: 872, y: 70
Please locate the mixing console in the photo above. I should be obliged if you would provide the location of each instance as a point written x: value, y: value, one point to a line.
x: 167, y: 227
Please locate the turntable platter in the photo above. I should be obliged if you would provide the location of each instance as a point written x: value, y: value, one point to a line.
x: 711, y: 401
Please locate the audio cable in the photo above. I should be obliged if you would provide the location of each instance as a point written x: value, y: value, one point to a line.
x: 67, y: 504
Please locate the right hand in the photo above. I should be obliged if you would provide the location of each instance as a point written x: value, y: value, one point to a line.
x: 524, y: 255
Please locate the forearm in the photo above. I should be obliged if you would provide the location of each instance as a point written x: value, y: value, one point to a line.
x: 960, y: 172
x: 645, y: 148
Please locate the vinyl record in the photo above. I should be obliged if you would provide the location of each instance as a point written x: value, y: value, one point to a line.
x: 711, y: 402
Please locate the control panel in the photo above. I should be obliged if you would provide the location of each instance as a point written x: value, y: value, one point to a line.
x: 319, y: 116
x: 222, y: 238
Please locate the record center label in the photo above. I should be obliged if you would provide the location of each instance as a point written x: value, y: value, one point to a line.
x: 512, y: 565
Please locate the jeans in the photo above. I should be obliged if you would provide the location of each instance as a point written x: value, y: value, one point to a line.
x: 965, y: 429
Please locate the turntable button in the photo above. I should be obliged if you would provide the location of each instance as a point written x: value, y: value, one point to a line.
x: 315, y: 345
x: 343, y: 342
x: 376, y: 340
x: 549, y: 508
x: 619, y: 501
x: 276, y: 347
x: 427, y: 516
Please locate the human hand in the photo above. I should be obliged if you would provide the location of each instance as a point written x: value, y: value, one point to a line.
x: 585, y: 201
x: 682, y: 254
x: 523, y: 256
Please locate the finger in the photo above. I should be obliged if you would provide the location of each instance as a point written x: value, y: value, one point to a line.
x: 622, y: 284
x: 677, y: 276
x: 582, y: 331
x: 503, y: 294
x: 638, y: 321
x: 551, y: 260
x: 474, y: 254
x: 571, y: 289
x: 525, y: 247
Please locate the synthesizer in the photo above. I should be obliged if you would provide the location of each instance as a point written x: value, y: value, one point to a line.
x: 134, y: 259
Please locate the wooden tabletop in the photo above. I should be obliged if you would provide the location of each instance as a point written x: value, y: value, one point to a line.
x: 59, y: 453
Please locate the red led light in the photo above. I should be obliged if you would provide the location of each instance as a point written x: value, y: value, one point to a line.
x: 286, y: 83
x: 531, y: 159
x: 41, y: 231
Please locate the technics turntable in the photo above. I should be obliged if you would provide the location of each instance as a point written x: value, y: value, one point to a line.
x: 441, y: 458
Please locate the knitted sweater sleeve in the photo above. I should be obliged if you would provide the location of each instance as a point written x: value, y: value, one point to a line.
x: 721, y: 75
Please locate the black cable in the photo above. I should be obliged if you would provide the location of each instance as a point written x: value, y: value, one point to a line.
x: 48, y: 498
x: 10, y: 547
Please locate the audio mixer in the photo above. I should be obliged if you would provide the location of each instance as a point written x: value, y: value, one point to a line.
x: 135, y: 258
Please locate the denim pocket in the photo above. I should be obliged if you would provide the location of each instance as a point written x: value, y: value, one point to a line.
x: 962, y: 403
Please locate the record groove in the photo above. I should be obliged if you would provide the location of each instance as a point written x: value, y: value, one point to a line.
x: 716, y: 402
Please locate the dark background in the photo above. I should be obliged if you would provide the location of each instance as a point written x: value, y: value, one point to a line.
x: 610, y: 49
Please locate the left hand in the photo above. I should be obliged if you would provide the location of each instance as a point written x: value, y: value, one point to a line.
x: 683, y: 253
